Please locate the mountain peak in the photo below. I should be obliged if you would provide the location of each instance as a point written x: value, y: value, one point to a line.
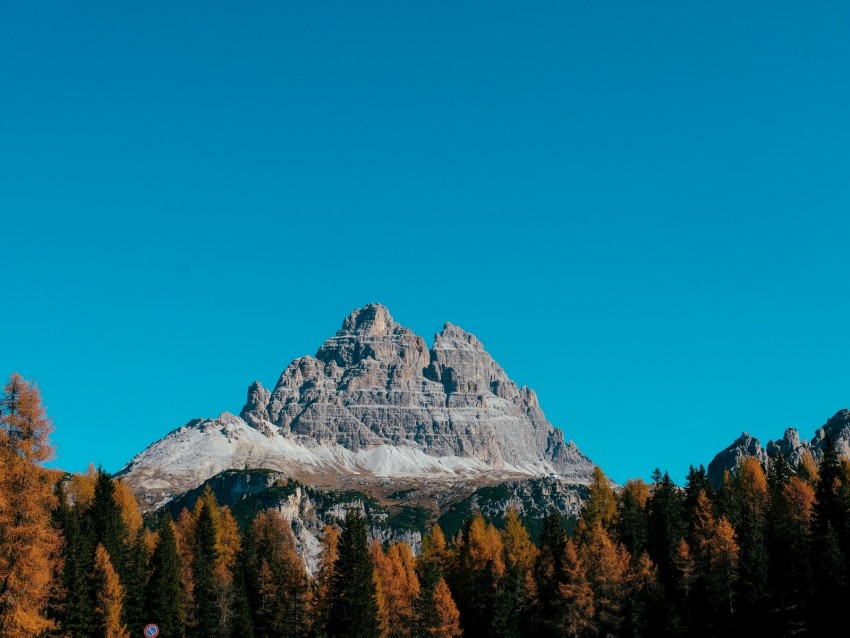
x: 452, y: 336
x: 375, y: 401
x: 373, y: 319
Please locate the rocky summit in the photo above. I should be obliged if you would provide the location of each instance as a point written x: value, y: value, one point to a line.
x: 374, y: 404
x: 836, y: 428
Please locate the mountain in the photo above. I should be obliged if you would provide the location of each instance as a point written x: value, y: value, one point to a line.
x: 399, y: 515
x: 790, y: 445
x: 374, y: 406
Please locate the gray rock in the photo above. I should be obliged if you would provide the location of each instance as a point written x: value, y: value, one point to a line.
x: 745, y: 445
x: 376, y: 402
x: 376, y: 382
x: 790, y: 446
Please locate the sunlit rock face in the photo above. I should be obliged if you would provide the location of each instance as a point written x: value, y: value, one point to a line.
x: 836, y: 429
x: 374, y: 400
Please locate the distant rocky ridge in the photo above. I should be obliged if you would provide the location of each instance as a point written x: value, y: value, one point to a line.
x: 374, y: 402
x: 790, y: 446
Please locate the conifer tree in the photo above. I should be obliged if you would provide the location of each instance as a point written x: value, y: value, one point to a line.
x: 790, y: 525
x: 164, y: 598
x: 184, y: 529
x: 644, y: 600
x: 204, y: 559
x: 108, y: 524
x: 353, y: 609
x: 478, y: 567
x: 608, y: 574
x: 29, y: 542
x: 109, y: 596
x: 666, y: 525
x: 77, y: 561
x: 696, y: 481
x: 601, y: 504
x: 441, y: 618
x: 549, y: 574
x: 750, y: 519
x: 243, y: 624
x: 281, y: 579
x: 135, y: 583
x: 576, y: 609
x: 807, y: 468
x: 399, y: 586
x: 685, y: 590
x: 323, y: 582
x: 829, y: 528
x: 632, y: 522
x: 517, y: 589
x: 717, y: 563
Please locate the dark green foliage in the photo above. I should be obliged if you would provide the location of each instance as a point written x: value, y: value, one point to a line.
x: 632, y: 524
x: 107, y: 523
x: 135, y: 584
x: 75, y: 616
x: 354, y: 608
x: 511, y: 604
x: 242, y: 623
x: 666, y: 525
x: 548, y: 573
x: 829, y: 530
x: 164, y: 594
x: 203, y: 563
x: 695, y: 482
x: 787, y: 566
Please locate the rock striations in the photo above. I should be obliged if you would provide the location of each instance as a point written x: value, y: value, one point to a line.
x: 374, y: 401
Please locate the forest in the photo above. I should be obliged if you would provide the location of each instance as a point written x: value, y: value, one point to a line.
x: 766, y: 555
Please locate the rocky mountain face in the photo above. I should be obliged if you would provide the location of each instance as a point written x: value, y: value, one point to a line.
x: 790, y: 446
x: 374, y: 404
x: 399, y: 515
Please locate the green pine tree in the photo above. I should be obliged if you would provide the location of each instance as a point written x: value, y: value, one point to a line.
x: 107, y: 523
x: 164, y: 594
x: 203, y: 564
x: 135, y: 583
x: 354, y: 608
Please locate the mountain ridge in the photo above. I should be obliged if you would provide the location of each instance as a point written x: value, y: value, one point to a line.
x: 791, y: 446
x: 374, y: 401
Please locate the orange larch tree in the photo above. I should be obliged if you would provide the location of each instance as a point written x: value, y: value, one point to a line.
x: 29, y: 543
x: 109, y: 596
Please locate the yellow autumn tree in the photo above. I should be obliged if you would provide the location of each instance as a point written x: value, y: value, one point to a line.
x: 129, y: 506
x: 434, y: 549
x: 184, y: 528
x: 398, y: 588
x: 608, y: 566
x: 446, y: 616
x: 518, y: 548
x: 322, y: 581
x: 575, y: 605
x: 480, y: 546
x: 109, y: 596
x: 601, y: 505
x: 717, y: 561
x: 80, y: 487
x: 807, y: 468
x: 380, y: 562
x: 29, y: 544
x: 685, y: 572
x: 283, y: 578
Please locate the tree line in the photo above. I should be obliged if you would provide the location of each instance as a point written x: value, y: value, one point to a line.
x: 766, y: 554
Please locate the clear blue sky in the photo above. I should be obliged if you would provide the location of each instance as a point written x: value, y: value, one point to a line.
x: 642, y: 209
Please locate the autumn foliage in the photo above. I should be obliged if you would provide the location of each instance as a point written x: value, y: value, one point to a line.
x: 767, y: 554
